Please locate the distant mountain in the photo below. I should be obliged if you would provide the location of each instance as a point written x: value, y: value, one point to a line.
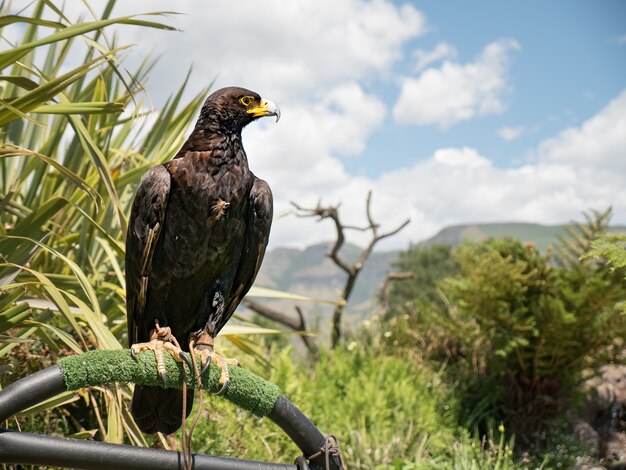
x: 541, y: 235
x: 310, y: 272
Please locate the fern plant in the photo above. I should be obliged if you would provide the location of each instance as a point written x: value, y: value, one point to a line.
x: 517, y: 330
x: 539, y: 326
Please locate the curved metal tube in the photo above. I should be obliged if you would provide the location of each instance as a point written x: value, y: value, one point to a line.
x: 302, y: 432
x: 32, y: 449
x: 31, y: 390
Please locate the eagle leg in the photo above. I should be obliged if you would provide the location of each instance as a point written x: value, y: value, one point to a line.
x: 202, y: 344
x: 161, y: 339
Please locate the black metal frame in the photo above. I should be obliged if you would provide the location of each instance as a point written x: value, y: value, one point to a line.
x: 34, y: 449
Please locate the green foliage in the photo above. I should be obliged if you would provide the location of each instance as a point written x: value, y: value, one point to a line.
x: 429, y: 265
x: 576, y: 243
x: 519, y: 331
x: 508, y: 291
x: 28, y: 357
x: 612, y: 248
x: 528, y: 318
x: 417, y: 305
x: 387, y: 412
x: 67, y: 179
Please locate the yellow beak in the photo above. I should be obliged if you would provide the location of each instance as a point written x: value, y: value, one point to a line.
x: 265, y: 108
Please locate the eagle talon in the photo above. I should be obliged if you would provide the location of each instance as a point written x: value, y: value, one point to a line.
x: 222, y: 390
x: 206, y: 366
x: 158, y: 345
x: 208, y: 355
x: 186, y: 357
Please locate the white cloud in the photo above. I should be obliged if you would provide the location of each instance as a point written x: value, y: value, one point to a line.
x: 459, y: 158
x: 455, y: 92
x: 621, y: 39
x: 286, y: 50
x: 297, y: 156
x: 311, y: 57
x: 582, y: 167
x: 510, y: 133
x: 597, y: 146
x: 442, y: 51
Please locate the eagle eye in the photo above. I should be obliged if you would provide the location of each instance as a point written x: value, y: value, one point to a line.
x: 246, y: 100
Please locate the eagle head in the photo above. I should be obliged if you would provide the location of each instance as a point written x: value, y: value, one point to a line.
x: 232, y: 108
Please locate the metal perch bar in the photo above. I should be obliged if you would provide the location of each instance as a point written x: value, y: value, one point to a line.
x: 102, y: 367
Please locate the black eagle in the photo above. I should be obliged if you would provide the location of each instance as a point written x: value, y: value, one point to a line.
x: 196, y: 237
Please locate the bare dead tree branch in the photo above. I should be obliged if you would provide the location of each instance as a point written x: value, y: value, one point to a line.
x: 329, y: 212
x: 354, y: 227
x: 368, y: 212
x: 352, y: 270
x: 286, y: 320
x: 271, y: 314
x: 386, y: 287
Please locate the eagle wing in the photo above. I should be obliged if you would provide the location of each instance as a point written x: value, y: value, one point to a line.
x: 258, y: 224
x: 144, y: 227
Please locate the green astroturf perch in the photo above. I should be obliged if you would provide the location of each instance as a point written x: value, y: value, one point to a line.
x: 98, y: 367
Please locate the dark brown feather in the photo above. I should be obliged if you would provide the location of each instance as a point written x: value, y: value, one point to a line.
x: 196, y: 238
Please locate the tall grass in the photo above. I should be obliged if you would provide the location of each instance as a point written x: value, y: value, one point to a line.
x: 388, y: 412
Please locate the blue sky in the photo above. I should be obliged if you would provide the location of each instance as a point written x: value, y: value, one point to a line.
x: 570, y: 65
x: 449, y: 111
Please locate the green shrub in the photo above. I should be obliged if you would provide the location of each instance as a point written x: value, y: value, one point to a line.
x: 387, y: 412
x: 527, y: 330
x: 428, y: 265
x: 518, y: 331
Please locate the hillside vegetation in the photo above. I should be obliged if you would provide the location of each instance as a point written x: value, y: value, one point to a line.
x: 309, y: 272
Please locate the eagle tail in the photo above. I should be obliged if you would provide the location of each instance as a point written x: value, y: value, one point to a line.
x: 158, y: 409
